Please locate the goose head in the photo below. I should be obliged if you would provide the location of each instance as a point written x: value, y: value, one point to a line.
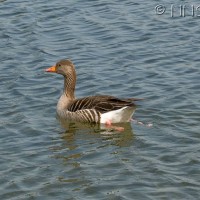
x: 63, y: 67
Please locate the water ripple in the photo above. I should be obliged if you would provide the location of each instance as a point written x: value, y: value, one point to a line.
x: 119, y: 48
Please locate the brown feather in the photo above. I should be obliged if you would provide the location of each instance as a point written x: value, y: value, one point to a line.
x: 101, y: 103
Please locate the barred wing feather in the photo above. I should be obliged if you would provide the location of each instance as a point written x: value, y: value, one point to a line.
x: 101, y: 104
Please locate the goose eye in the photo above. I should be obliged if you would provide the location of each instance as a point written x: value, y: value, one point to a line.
x: 59, y: 65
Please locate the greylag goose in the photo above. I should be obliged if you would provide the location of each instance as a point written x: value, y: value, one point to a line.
x: 93, y: 109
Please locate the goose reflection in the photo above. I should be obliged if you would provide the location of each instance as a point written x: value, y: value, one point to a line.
x: 84, y: 146
x: 99, y: 131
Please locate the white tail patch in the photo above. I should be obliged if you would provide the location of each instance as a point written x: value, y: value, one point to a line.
x: 116, y: 116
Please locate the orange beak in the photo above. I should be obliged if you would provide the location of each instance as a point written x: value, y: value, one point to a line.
x: 51, y: 69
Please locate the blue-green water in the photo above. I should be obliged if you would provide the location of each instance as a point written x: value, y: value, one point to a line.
x: 119, y: 48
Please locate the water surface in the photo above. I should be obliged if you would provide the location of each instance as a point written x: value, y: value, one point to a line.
x: 119, y: 48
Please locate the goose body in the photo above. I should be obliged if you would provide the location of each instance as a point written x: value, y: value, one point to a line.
x: 93, y: 109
